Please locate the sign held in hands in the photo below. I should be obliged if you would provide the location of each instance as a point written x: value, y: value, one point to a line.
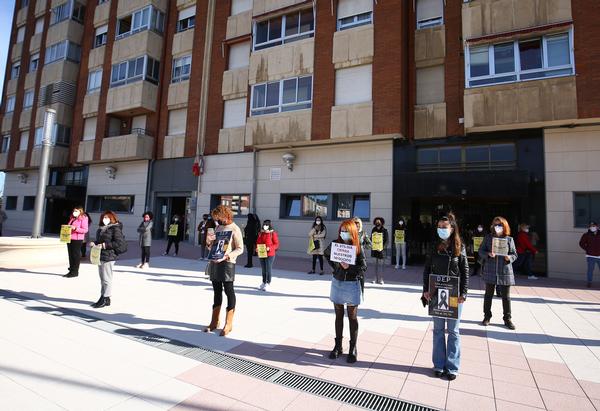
x: 343, y: 253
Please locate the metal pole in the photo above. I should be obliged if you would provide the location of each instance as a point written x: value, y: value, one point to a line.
x: 43, y: 178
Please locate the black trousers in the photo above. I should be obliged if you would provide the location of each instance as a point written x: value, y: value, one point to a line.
x: 173, y: 240
x: 145, y: 254
x: 218, y: 287
x: 477, y: 265
x: 250, y: 249
x: 489, y: 295
x: 74, y: 249
x: 314, y: 261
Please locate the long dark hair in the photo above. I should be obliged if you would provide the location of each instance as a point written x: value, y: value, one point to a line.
x: 454, y: 238
x: 321, y: 227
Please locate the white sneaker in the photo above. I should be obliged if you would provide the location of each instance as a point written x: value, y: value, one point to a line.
x: 397, y: 267
x: 404, y: 267
x: 381, y: 282
x: 174, y: 254
x: 165, y: 253
x: 138, y: 265
x: 532, y: 277
x: 265, y: 287
x: 146, y: 265
x: 374, y: 282
x: 262, y: 287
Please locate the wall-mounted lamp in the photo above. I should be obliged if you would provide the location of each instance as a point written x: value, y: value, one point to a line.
x: 111, y: 172
x: 288, y: 159
x: 22, y: 178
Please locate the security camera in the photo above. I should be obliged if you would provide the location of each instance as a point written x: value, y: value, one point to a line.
x: 111, y: 172
x: 288, y: 159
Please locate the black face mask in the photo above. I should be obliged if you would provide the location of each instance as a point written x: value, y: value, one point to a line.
x: 220, y: 222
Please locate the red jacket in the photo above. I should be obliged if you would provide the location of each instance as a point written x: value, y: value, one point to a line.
x: 271, y: 240
x: 590, y: 243
x: 524, y: 243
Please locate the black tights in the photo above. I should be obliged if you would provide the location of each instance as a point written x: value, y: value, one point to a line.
x: 218, y: 287
x: 314, y: 261
x: 352, y: 319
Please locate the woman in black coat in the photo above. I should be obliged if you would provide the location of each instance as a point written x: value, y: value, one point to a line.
x: 379, y: 255
x: 251, y: 232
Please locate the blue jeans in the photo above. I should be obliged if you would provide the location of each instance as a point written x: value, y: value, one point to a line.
x: 266, y: 265
x: 446, y: 356
x: 591, y: 262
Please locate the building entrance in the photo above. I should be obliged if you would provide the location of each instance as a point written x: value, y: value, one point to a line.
x: 166, y: 208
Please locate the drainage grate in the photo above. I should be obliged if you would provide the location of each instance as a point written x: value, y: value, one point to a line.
x: 348, y: 395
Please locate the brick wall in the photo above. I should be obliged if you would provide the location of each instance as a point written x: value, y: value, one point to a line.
x: 587, y: 56
x: 454, y: 68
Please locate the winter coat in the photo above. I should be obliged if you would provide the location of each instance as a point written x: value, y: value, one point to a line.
x: 112, y: 237
x: 524, y: 244
x: 386, y: 238
x: 497, y: 270
x: 270, y: 239
x: 225, y: 270
x: 318, y: 237
x: 590, y: 243
x: 145, y: 233
x: 80, y: 225
x: 179, y: 235
x: 446, y: 263
x: 251, y: 232
x: 354, y: 272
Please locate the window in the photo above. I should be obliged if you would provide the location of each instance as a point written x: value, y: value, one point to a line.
x: 38, y: 136
x: 118, y: 203
x: 133, y: 70
x: 24, y: 3
x: 586, y: 207
x: 304, y: 205
x: 352, y: 205
x: 353, y: 85
x: 284, y: 29
x: 94, y: 81
x: 187, y: 19
x: 102, y: 1
x: 430, y: 13
x: 34, y: 62
x: 15, y: 70
x: 284, y: 95
x: 60, y: 13
x: 5, y: 144
x: 181, y: 69
x: 24, y: 141
x: 28, y: 203
x: 61, y: 135
x: 549, y: 56
x: 234, y: 113
x: 456, y: 158
x: 89, y: 128
x: 101, y: 36
x: 20, y: 34
x: 28, y: 99
x: 353, y: 13
x: 240, y: 6
x: 63, y: 50
x: 239, y: 55
x: 239, y: 203
x: 11, y: 202
x: 39, y: 25
x: 10, y: 104
x: 78, y: 12
x: 177, y: 121
x: 430, y: 85
x: 147, y: 18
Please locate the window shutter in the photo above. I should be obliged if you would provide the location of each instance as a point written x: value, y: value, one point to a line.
x: 187, y: 13
x: 428, y: 9
x: 102, y: 30
x: 235, y: 113
x: 24, y: 141
x: 347, y: 8
x: 89, y: 128
x: 430, y: 85
x: 239, y: 55
x: 177, y: 121
x: 353, y: 85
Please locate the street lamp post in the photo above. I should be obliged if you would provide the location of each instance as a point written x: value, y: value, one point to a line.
x: 40, y: 197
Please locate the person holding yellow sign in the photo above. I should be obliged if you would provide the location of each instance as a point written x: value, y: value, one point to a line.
x: 175, y: 235
x: 267, y: 244
x: 400, y: 243
x: 379, y: 241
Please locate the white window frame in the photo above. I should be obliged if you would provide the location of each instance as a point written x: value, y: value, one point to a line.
x: 189, y: 18
x: 35, y: 57
x: 356, y: 22
x: 28, y: 99
x: 15, y: 70
x: 156, y: 22
x: 283, y: 39
x: 23, y: 141
x: 94, y: 81
x: 517, y: 73
x: 10, y: 103
x: 101, y: 32
x: 68, y: 49
x: 431, y: 22
x: 280, y: 107
x: 20, y: 34
x: 144, y: 76
x: 5, y: 144
x: 181, y: 63
x: 39, y: 26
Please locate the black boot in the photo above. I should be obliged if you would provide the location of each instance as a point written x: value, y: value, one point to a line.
x: 104, y: 303
x: 337, y: 350
x: 352, y: 353
x: 70, y: 275
x: 97, y: 303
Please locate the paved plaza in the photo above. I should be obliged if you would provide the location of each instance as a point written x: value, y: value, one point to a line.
x: 48, y: 361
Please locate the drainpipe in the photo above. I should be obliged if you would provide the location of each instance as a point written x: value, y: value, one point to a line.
x: 254, y: 174
x: 40, y: 198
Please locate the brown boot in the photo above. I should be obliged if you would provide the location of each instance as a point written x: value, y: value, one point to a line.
x: 214, y: 322
x: 228, y: 322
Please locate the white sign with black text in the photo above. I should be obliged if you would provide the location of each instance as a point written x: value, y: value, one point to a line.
x: 343, y: 253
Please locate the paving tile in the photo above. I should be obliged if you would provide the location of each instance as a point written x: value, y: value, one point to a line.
x: 368, y: 347
x: 408, y: 356
x: 374, y: 337
x: 203, y: 375
x: 475, y: 355
x: 312, y: 402
x: 461, y: 401
x: 558, y: 384
x: 476, y: 368
x: 502, y: 405
x: 517, y: 393
x: 556, y: 401
x: 423, y: 359
x: 513, y: 375
x: 390, y: 366
x: 473, y: 385
x: 344, y: 375
x: 410, y: 344
x: 410, y: 333
x: 424, y: 394
x: 509, y: 360
x: 504, y: 348
x: 549, y: 367
x: 271, y: 397
x: 592, y: 389
x: 205, y: 400
x: 596, y: 403
x: 241, y: 406
x: 426, y: 376
x: 381, y: 383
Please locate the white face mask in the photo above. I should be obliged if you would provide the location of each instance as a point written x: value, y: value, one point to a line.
x: 401, y: 222
x: 75, y: 214
x: 499, y: 230
x: 345, y: 236
x: 266, y: 227
x: 480, y: 229
x: 526, y: 230
x: 317, y: 222
x: 444, y: 233
x: 106, y: 221
x: 593, y: 229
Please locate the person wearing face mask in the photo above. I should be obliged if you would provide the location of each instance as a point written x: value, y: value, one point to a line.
x: 365, y: 240
x: 400, y: 246
x: 347, y: 289
x: 447, y: 256
x: 202, y: 236
x: 590, y: 243
x: 379, y: 255
x: 145, y: 239
x: 317, y: 233
x: 79, y: 227
x: 251, y: 232
x: 175, y: 239
x: 478, y: 232
x: 268, y: 236
x: 497, y: 271
x: 525, y: 251
x: 112, y: 242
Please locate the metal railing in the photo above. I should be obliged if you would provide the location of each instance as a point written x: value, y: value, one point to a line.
x: 138, y: 131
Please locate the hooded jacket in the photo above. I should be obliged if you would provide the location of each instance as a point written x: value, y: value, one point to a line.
x: 112, y: 237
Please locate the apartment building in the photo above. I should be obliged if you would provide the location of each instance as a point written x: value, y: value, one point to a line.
x: 298, y: 108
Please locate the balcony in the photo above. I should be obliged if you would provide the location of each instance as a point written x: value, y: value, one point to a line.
x: 40, y: 7
x: 145, y: 42
x: 430, y: 120
x: 16, y: 52
x: 235, y: 83
x: 485, y: 17
x: 20, y: 159
x: 183, y: 42
x: 7, y: 120
x: 21, y: 16
x: 59, y: 156
x: 3, y: 161
x: 11, y: 86
x: 353, y: 47
x: 127, y: 7
x: 30, y: 80
x: 101, y: 14
x: 135, y: 146
x: 174, y: 146
x: 64, y: 115
x: 521, y: 105
x: 239, y: 25
x: 57, y: 71
x: 231, y: 140
x: 65, y: 30
x: 352, y: 120
x: 132, y: 99
x: 96, y: 58
x: 430, y: 46
x: 25, y: 119
x: 85, y: 151
x: 267, y: 6
x: 35, y: 43
x: 290, y: 126
x: 276, y: 63
x: 178, y: 94
x: 91, y: 102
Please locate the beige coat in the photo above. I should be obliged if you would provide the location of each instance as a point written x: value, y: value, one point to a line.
x: 320, y: 237
x: 237, y: 243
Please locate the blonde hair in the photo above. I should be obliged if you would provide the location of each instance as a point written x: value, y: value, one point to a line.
x: 504, y: 222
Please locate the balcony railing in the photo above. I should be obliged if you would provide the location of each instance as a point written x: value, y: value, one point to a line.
x: 138, y: 131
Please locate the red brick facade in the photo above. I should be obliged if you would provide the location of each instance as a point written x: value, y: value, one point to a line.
x: 454, y: 69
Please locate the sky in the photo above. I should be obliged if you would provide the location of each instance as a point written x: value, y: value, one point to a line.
x: 6, y: 14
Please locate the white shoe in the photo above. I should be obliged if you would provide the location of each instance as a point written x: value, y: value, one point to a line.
x: 397, y: 267
x: 374, y: 282
x: 146, y: 265
x: 261, y: 287
x: 532, y: 277
x: 165, y: 253
x: 404, y: 267
x: 381, y: 282
x: 174, y: 254
x: 138, y: 265
x: 265, y: 287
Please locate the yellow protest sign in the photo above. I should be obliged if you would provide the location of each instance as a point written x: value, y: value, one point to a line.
x: 377, y: 240
x: 477, y: 243
x: 95, y: 255
x: 173, y: 229
x: 311, y: 245
x: 262, y: 250
x: 399, y: 236
x: 65, y: 234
